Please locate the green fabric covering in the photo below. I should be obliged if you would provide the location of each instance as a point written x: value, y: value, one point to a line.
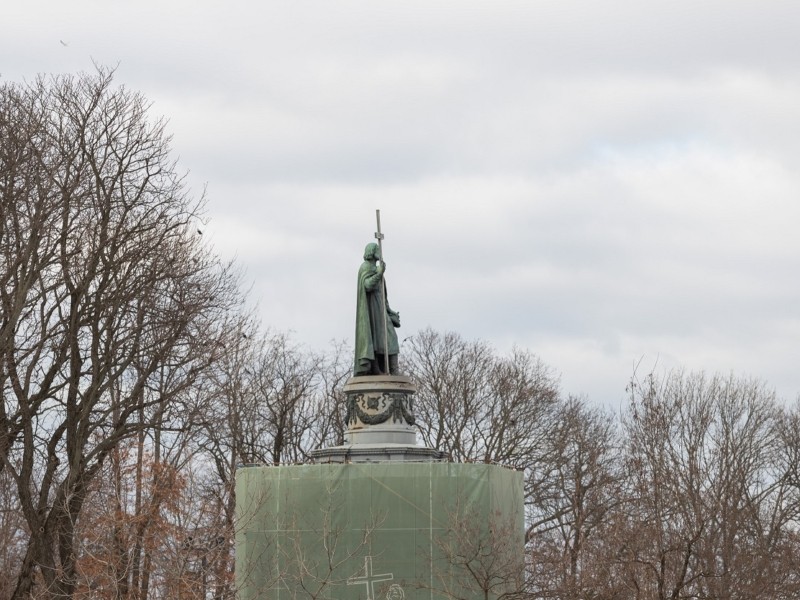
x: 374, y: 531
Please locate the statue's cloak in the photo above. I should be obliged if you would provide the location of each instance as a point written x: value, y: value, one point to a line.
x: 371, y: 336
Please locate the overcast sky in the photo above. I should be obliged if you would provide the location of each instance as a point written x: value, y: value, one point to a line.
x: 604, y: 183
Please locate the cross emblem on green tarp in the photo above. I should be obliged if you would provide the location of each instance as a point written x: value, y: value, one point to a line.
x: 369, y: 579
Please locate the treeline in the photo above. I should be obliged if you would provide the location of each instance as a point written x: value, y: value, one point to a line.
x: 133, y: 385
x: 693, y: 491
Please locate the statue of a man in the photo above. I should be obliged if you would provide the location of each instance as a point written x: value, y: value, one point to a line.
x: 375, y: 321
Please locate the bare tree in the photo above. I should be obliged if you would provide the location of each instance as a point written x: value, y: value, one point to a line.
x: 334, y: 369
x: 285, y: 383
x: 270, y: 401
x: 575, y: 492
x: 110, y: 303
x: 478, y: 406
x: 711, y: 509
x: 267, y: 405
x: 12, y: 534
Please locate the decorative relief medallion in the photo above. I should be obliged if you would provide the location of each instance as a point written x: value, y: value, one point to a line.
x: 379, y: 407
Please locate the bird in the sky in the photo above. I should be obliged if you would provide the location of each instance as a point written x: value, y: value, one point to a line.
x: 63, y: 43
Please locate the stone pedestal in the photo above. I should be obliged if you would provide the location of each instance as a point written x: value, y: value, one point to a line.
x: 380, y: 409
x: 380, y: 423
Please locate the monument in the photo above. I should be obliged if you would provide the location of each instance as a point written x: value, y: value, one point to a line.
x: 379, y: 399
x: 378, y: 517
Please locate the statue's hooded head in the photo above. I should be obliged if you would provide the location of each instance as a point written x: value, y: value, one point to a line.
x: 372, y: 252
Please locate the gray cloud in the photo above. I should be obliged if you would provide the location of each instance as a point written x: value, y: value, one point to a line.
x: 599, y: 182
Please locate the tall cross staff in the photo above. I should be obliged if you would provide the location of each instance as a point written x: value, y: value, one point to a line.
x: 379, y: 237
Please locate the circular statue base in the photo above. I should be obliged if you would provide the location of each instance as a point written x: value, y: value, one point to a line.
x: 380, y: 410
x: 380, y: 423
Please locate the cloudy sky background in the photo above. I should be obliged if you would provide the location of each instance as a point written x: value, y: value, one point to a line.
x: 603, y: 183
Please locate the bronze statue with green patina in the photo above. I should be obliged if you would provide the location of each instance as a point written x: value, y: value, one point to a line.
x: 376, y: 338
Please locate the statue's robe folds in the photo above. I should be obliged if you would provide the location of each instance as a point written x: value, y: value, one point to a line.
x: 372, y: 338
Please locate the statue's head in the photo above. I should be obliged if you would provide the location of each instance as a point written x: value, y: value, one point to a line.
x: 372, y: 252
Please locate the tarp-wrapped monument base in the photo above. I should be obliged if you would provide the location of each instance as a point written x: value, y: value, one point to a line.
x: 369, y: 531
